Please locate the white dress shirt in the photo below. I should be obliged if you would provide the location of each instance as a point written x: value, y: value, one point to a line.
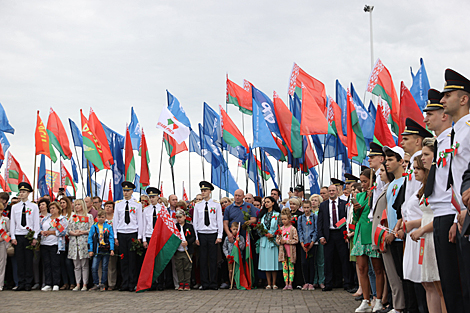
x: 380, y: 185
x: 46, y: 225
x: 135, y: 214
x: 330, y: 202
x: 216, y: 218
x: 462, y: 158
x: 147, y: 221
x: 440, y: 199
x: 32, y: 219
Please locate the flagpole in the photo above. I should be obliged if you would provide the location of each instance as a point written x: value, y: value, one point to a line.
x: 189, y: 178
x: 173, y: 179
x: 96, y: 186
x: 161, y: 157
x: 89, y: 176
x: 105, y: 176
x: 81, y: 169
x: 34, y: 178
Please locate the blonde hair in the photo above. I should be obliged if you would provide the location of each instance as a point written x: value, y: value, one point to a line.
x: 228, y: 200
x: 287, y: 213
x: 429, y: 142
x: 320, y: 198
x: 295, y: 200
x: 83, y: 205
x: 164, y: 200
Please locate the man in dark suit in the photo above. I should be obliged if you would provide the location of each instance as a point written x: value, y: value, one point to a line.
x: 332, y: 211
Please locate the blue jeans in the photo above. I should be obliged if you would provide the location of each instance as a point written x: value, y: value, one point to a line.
x: 104, y: 268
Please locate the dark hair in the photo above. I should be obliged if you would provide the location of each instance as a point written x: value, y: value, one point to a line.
x: 45, y: 201
x: 426, y: 173
x: 390, y: 154
x: 96, y: 197
x: 357, y: 186
x: 264, y: 210
x: 390, y: 176
x: 276, y: 190
x: 258, y: 198
x: 324, y: 187
x: 109, y: 202
x: 5, y: 196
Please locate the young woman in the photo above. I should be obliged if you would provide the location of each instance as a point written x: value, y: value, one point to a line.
x: 5, y: 228
x: 319, y: 280
x: 269, y: 251
x: 53, y: 229
x: 66, y: 265
x: 429, y: 271
x: 363, y: 247
x: 79, y: 226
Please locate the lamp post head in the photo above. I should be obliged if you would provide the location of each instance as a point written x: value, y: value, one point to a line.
x: 368, y: 8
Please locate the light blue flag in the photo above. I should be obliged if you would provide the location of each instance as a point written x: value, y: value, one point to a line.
x: 212, y: 127
x: 137, y: 183
x: 5, y: 144
x: 252, y: 169
x: 420, y: 87
x: 74, y: 171
x: 372, y: 110
x: 194, y: 142
x: 222, y: 178
x: 177, y: 110
x: 207, y: 149
x: 135, y: 131
x: 261, y: 134
x: 267, y: 108
x: 313, y: 181
x: 4, y: 123
x: 341, y: 100
x: 267, y: 167
x: 76, y: 134
x: 365, y: 120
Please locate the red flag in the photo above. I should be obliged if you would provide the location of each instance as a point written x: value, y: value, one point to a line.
x: 455, y: 201
x: 313, y: 120
x: 144, y: 162
x: 352, y: 145
x: 129, y: 163
x: 4, y: 185
x: 43, y: 144
x: 382, y: 132
x: 421, y: 251
x: 334, y: 118
x: 314, y: 86
x: 161, y: 189
x: 93, y: 148
x: 239, y: 97
x: 408, y: 108
x: 110, y: 193
x: 57, y: 135
x: 98, y: 130
x: 289, y: 127
x: 14, y: 174
x: 230, y: 132
x: 185, y: 195
x: 310, y: 158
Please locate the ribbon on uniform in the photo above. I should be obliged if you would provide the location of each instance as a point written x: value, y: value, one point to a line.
x: 408, y: 173
x: 395, y: 188
x: 212, y: 210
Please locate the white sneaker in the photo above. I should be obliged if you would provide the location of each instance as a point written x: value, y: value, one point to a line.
x: 378, y: 305
x: 77, y: 288
x: 46, y: 288
x: 56, y: 288
x: 84, y: 288
x: 364, y: 307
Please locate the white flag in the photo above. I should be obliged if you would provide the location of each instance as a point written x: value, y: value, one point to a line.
x: 170, y: 125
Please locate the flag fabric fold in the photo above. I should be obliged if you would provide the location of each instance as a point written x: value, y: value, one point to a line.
x: 57, y: 135
x: 43, y: 143
x: 172, y: 127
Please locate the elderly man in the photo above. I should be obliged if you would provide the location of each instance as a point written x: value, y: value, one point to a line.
x: 90, y: 208
x: 234, y: 213
x: 249, y: 198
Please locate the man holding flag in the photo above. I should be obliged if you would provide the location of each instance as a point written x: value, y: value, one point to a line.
x: 208, y: 226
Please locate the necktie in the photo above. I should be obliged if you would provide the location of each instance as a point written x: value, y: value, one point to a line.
x: 333, y: 210
x: 432, y: 175
x: 207, y: 221
x: 23, y: 216
x: 450, y: 180
x: 127, y: 217
x: 154, y: 216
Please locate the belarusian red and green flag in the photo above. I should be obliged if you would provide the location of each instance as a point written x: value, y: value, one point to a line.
x: 173, y: 148
x: 289, y: 127
x: 239, y: 97
x: 334, y: 119
x: 93, y: 147
x: 313, y: 120
x: 14, y: 174
x: 381, y: 84
x: 43, y: 144
x: 231, y: 133
x: 382, y: 133
x: 66, y: 179
x: 98, y: 130
x: 129, y: 163
x: 144, y: 162
x: 164, y: 242
x: 356, y: 143
x: 57, y: 135
x: 408, y: 109
x: 239, y: 268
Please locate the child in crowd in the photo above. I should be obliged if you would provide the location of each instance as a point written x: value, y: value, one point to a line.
x: 101, y: 246
x: 183, y: 262
x: 228, y: 246
x: 307, y: 230
x: 287, y: 240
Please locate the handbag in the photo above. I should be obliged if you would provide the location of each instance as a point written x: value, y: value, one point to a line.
x: 10, y: 250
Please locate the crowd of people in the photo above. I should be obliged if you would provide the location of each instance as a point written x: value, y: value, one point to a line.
x: 396, y: 237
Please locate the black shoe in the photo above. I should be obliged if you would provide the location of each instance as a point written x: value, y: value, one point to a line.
x: 359, y: 298
x: 214, y: 288
x: 20, y: 288
x: 387, y: 308
x: 352, y: 290
x: 327, y: 289
x: 131, y: 289
x: 27, y: 288
x: 160, y: 288
x: 123, y: 288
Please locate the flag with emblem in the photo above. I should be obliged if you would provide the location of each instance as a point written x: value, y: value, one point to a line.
x: 356, y: 143
x: 185, y: 195
x: 164, y: 242
x: 93, y: 147
x: 238, y: 267
x: 14, y: 174
x: 66, y: 179
x: 239, y: 97
x: 171, y: 126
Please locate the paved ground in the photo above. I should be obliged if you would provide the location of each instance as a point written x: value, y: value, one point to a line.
x: 337, y: 300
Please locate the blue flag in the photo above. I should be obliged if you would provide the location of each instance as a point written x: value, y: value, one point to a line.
x: 222, y: 178
x: 4, y: 123
x: 365, y: 120
x: 372, y: 110
x: 135, y: 131
x: 177, y: 110
x: 313, y: 181
x: 420, y: 87
x: 267, y: 167
x: 116, y: 144
x: 194, y: 142
x: 74, y: 171
x: 212, y: 127
x: 76, y: 134
x: 5, y: 144
x: 318, y: 147
x: 261, y: 134
x: 341, y: 100
x: 267, y: 108
x: 137, y: 183
x: 42, y: 184
x: 252, y: 169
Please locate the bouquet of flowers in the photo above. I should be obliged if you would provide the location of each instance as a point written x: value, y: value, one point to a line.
x: 246, y: 218
x: 137, y: 246
x: 30, y: 237
x: 263, y: 232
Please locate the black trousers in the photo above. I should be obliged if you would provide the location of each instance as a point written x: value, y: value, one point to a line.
x: 208, y: 259
x: 51, y: 265
x: 24, y: 259
x: 308, y: 264
x: 463, y: 253
x: 336, y: 242
x: 447, y: 263
x: 128, y: 260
